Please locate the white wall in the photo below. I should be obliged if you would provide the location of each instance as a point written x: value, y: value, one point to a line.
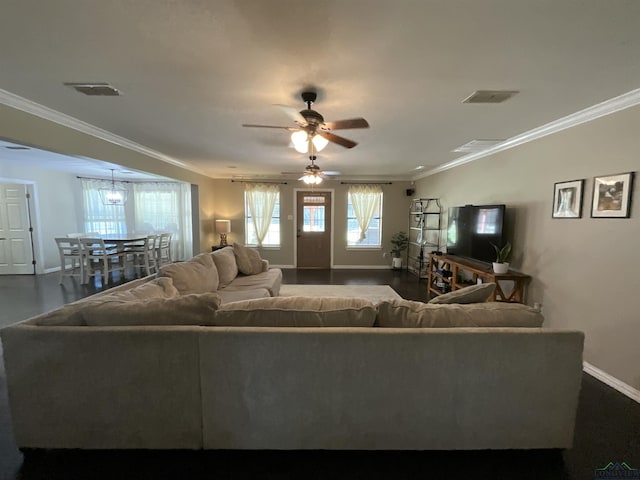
x: 585, y: 272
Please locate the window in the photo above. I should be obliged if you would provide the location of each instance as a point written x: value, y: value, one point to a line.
x: 364, y: 216
x: 262, y: 215
x: 165, y: 207
x: 313, y: 212
x: 154, y: 207
x: 98, y: 217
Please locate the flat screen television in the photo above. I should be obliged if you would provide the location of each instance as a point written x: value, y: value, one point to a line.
x: 473, y: 228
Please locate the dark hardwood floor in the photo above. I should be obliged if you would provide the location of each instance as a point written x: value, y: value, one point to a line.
x: 607, y: 426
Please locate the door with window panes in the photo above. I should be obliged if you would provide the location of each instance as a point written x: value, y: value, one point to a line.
x: 314, y: 229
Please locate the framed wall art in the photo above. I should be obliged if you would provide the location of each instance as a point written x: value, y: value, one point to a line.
x: 567, y: 199
x: 612, y: 196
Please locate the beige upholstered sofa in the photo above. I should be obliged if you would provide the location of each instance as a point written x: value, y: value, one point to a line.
x: 235, y: 273
x: 144, y: 366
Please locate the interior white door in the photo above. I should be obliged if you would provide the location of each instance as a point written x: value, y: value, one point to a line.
x: 16, y: 254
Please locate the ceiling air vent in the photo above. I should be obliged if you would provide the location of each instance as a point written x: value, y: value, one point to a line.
x: 490, y: 96
x: 16, y: 147
x: 477, y: 145
x: 95, y: 89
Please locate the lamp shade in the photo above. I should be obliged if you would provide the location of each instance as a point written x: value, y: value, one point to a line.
x: 223, y: 226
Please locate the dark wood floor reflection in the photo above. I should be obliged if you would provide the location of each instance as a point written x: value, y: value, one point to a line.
x: 607, y: 427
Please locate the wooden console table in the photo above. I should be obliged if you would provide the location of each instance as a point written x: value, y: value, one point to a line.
x: 449, y: 273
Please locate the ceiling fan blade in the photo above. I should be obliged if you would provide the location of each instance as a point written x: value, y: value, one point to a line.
x: 269, y: 126
x: 345, y: 142
x: 293, y: 113
x: 330, y: 173
x: 344, y: 124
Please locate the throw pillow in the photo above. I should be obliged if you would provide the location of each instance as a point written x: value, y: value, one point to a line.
x: 190, y: 309
x: 409, y: 314
x: 472, y: 294
x: 248, y: 259
x: 198, y: 275
x: 298, y: 312
x: 225, y: 262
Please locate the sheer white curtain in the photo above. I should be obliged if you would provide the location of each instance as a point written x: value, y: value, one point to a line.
x: 97, y: 216
x: 365, y: 199
x: 261, y: 198
x: 165, y: 207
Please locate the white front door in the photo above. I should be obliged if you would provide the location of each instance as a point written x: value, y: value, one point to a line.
x: 16, y: 254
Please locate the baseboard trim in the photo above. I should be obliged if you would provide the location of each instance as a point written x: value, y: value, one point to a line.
x: 51, y: 270
x: 345, y: 267
x: 362, y: 267
x: 613, y: 382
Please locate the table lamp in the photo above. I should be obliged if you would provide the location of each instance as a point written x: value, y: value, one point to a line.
x: 223, y: 227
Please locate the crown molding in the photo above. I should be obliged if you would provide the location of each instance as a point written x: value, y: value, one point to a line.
x: 613, y: 105
x: 19, y: 103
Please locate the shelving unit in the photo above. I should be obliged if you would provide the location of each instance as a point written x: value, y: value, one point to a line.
x: 447, y: 273
x: 424, y: 233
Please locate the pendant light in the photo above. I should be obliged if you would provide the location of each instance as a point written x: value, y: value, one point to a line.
x: 113, y: 195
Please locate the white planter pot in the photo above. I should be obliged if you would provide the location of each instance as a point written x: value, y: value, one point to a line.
x: 396, y: 262
x: 500, y: 267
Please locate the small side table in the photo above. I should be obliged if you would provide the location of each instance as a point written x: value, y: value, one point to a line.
x: 217, y: 247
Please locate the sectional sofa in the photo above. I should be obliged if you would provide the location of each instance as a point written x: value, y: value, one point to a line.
x: 148, y: 365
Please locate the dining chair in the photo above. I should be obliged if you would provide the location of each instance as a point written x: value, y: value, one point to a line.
x: 143, y: 255
x: 101, y: 256
x: 70, y: 250
x: 163, y: 249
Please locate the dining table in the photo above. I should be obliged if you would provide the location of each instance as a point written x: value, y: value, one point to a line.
x: 123, y: 237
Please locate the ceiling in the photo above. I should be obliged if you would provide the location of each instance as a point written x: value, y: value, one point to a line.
x: 191, y: 72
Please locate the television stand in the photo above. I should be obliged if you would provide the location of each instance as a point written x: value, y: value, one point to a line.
x: 448, y: 273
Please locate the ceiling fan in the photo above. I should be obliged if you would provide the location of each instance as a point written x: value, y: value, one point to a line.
x: 312, y: 174
x: 311, y: 132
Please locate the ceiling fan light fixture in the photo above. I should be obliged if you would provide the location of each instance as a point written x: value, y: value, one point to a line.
x: 319, y: 142
x: 312, y: 179
x: 300, y: 140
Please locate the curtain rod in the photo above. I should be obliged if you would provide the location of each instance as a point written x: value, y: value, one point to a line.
x: 128, y: 181
x: 366, y: 183
x: 256, y: 181
x: 104, y: 179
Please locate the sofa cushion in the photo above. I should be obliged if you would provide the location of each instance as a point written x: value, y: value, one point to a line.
x: 271, y: 280
x: 472, y: 294
x: 248, y: 259
x: 225, y: 262
x: 65, y: 316
x: 410, y: 314
x: 228, y: 296
x: 189, y: 309
x: 70, y: 314
x: 161, y: 287
x: 298, y: 312
x: 198, y: 275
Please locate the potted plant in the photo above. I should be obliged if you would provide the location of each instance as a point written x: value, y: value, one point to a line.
x: 399, y: 243
x: 502, y: 254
